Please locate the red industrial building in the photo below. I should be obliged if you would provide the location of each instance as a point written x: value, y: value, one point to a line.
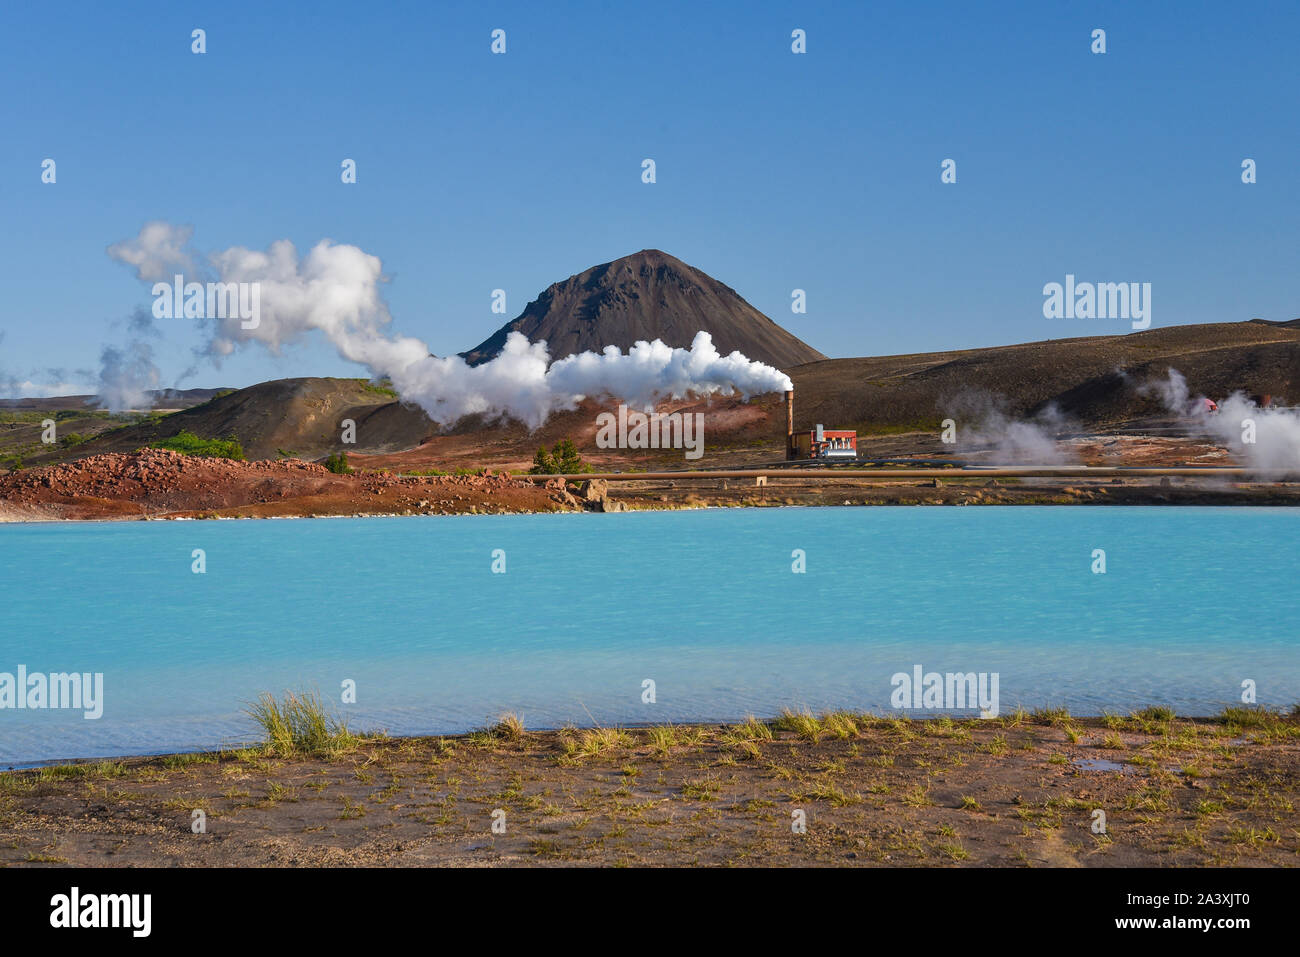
x: 819, y: 442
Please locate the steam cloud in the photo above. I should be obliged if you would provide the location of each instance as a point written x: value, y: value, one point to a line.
x: 985, y: 424
x: 126, y: 375
x: 1277, y: 431
x: 158, y: 252
x: 335, y: 290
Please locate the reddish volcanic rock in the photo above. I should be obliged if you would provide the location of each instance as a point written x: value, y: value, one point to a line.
x: 160, y: 483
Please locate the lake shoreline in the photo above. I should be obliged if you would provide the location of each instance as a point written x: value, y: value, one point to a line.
x: 644, y: 497
x: 1018, y: 790
x: 154, y: 484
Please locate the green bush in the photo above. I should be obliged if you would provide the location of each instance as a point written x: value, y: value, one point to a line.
x: 338, y: 463
x: 382, y: 387
x: 562, y: 459
x: 187, y: 443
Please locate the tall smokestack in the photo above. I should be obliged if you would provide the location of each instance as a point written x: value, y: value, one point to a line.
x: 789, y: 424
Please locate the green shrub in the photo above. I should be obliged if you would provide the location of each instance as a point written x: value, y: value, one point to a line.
x: 382, y: 387
x: 338, y: 463
x: 187, y: 443
x: 562, y: 459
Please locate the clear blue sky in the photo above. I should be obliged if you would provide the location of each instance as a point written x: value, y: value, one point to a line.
x: 775, y: 171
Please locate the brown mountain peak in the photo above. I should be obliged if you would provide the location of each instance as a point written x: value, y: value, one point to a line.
x: 647, y: 295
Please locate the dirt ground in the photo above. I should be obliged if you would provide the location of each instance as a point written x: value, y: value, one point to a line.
x: 668, y: 493
x: 155, y: 483
x: 1018, y: 790
x: 158, y: 484
x: 742, y: 438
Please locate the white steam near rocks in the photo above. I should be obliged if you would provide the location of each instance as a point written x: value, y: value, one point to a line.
x: 984, y: 425
x: 335, y: 290
x: 127, y: 375
x: 1276, y: 431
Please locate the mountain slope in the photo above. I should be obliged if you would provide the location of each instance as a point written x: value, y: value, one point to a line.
x: 648, y: 295
x: 1093, y: 380
x: 302, y: 417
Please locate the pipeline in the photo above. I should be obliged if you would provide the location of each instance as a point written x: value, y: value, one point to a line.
x: 854, y: 475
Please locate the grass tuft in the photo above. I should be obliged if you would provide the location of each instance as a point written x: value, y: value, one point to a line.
x: 1160, y: 714
x: 751, y: 729
x: 663, y: 738
x: 802, y: 723
x: 840, y: 724
x: 1248, y: 717
x: 1054, y: 717
x: 509, y: 726
x: 300, y: 725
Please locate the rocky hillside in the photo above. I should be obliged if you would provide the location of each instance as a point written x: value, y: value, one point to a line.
x: 1092, y: 380
x: 648, y: 295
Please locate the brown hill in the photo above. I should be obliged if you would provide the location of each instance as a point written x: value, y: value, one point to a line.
x: 281, y: 418
x: 648, y: 295
x: 158, y: 399
x: 1091, y: 379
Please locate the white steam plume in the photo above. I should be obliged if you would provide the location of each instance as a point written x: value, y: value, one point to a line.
x: 1276, y: 430
x: 984, y: 424
x: 334, y: 290
x: 519, y: 383
x: 160, y: 250
x: 126, y: 376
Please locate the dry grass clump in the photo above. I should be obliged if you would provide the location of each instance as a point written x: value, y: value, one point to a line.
x: 300, y: 725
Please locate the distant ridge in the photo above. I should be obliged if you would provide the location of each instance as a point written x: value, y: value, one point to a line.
x: 158, y: 398
x: 648, y: 295
x: 1093, y: 380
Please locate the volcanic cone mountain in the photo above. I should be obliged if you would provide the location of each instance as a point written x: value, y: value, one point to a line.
x: 648, y: 295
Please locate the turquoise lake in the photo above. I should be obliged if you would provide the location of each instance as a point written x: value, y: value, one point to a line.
x: 705, y: 604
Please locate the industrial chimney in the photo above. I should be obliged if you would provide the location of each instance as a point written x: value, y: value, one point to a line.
x: 789, y: 424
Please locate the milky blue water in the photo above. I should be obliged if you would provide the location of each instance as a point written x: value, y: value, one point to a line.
x: 703, y: 603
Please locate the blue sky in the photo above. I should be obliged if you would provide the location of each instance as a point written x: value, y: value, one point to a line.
x: 775, y: 171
